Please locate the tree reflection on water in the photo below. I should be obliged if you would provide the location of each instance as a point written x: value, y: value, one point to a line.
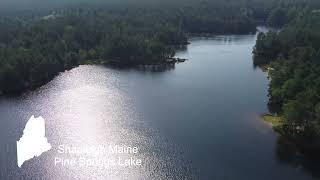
x: 307, y: 158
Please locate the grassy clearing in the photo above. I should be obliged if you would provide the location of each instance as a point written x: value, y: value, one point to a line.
x: 275, y: 121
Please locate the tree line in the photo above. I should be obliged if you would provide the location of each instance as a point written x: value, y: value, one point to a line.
x: 293, y: 57
x: 35, y: 45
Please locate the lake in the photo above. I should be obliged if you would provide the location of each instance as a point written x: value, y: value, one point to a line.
x: 196, y: 120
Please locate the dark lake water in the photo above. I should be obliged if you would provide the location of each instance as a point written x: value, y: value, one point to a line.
x: 197, y: 120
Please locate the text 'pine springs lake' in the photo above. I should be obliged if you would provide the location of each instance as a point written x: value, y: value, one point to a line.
x: 100, y: 156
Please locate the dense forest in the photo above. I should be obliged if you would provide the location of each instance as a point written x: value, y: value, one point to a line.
x: 293, y: 57
x: 35, y: 46
x: 39, y: 40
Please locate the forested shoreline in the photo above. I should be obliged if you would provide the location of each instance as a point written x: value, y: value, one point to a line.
x: 34, y: 47
x: 293, y: 59
x: 37, y: 44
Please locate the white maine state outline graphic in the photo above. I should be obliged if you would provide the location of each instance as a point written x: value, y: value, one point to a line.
x: 33, y: 141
